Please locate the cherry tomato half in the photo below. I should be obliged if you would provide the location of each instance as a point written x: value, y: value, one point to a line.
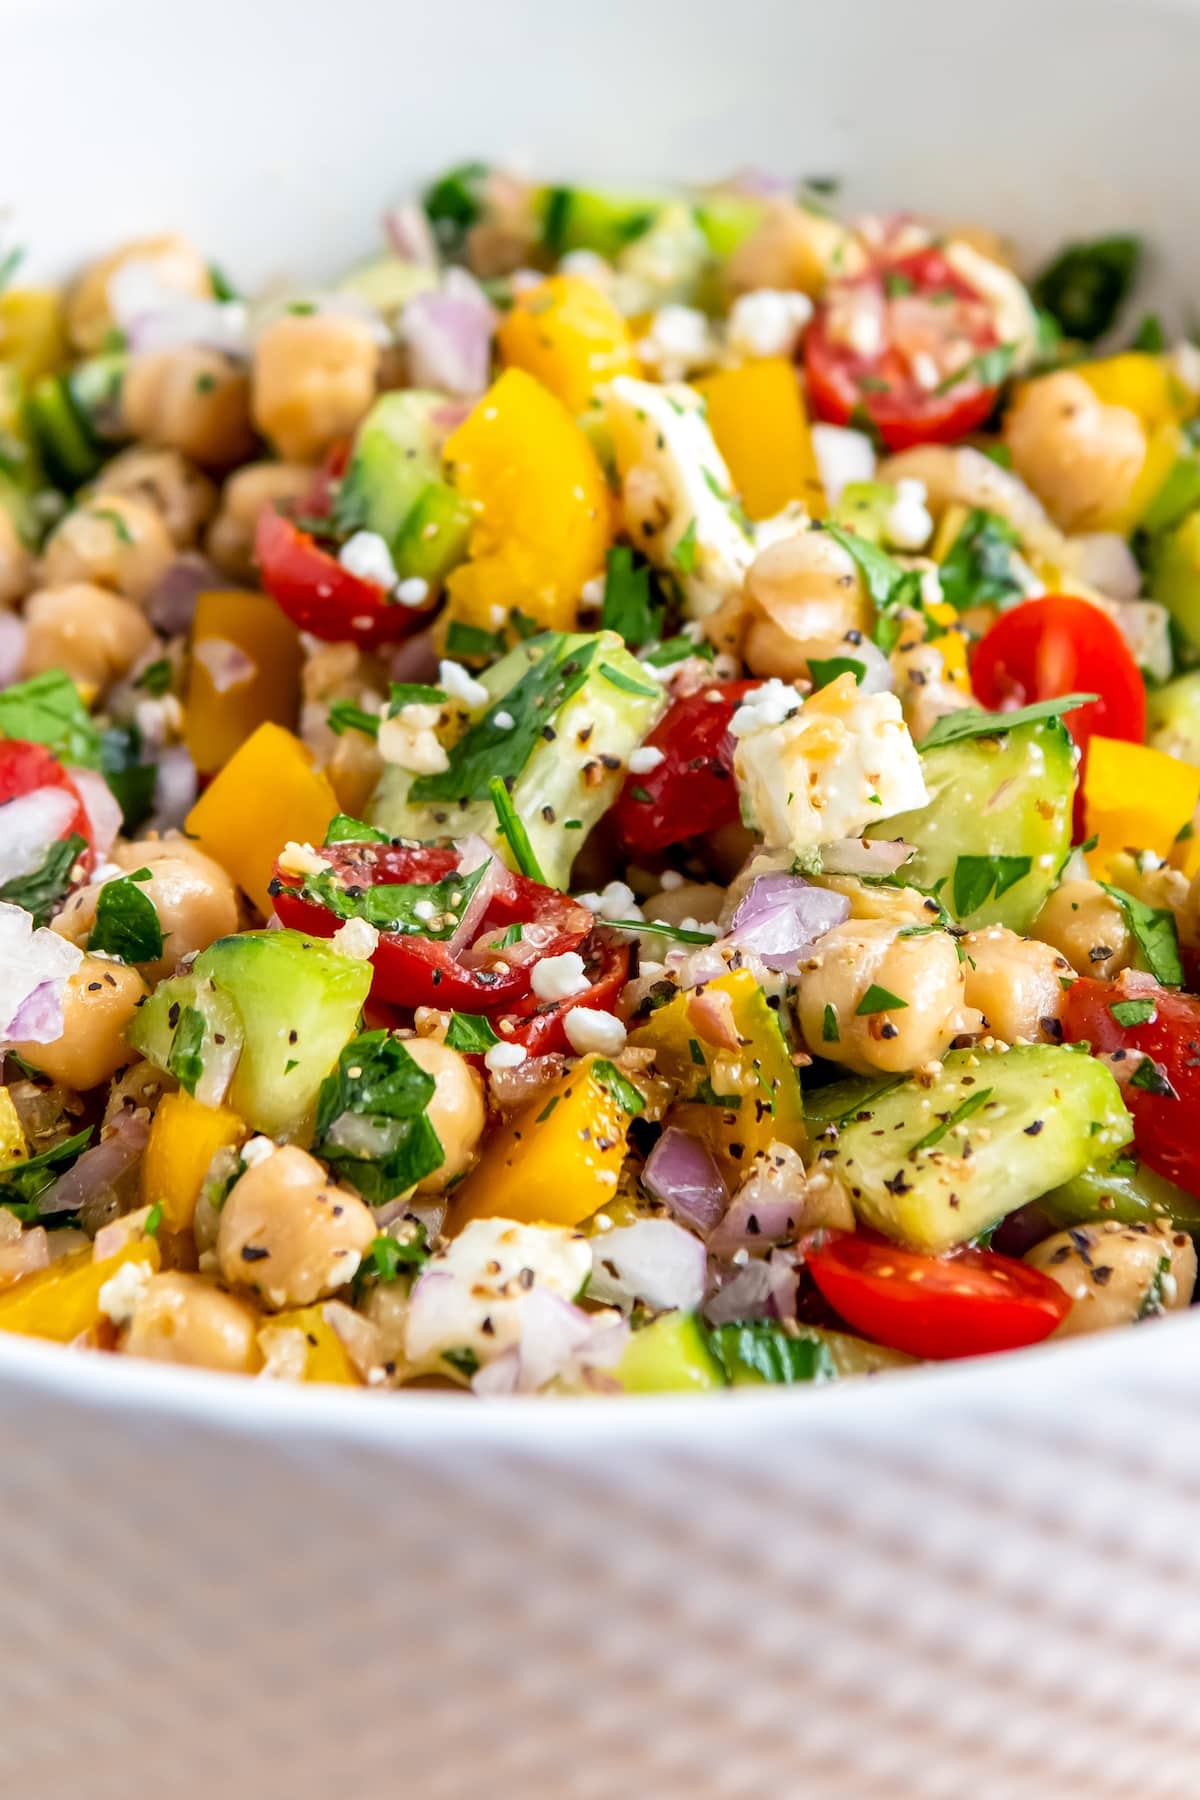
x: 319, y: 595
x: 1166, y: 1125
x: 934, y: 1306
x: 692, y: 789
x: 27, y: 769
x: 900, y: 343
x: 538, y: 1025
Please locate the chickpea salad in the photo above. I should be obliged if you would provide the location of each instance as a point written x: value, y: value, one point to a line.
x: 603, y: 804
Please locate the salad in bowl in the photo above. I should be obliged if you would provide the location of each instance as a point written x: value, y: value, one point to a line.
x: 604, y: 804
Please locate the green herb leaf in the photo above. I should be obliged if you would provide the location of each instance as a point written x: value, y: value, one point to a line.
x: 47, y: 709
x: 127, y: 923
x: 890, y: 587
x: 22, y: 1183
x: 1150, y: 335
x: 976, y: 878
x: 1085, y: 286
x: 1154, y: 932
x: 112, y: 517
x: 829, y: 1027
x: 895, y: 283
x: 130, y: 780
x: 684, y: 553
x: 454, y: 202
x: 707, y: 1095
x: 155, y: 678
x: 675, y: 650
x: 154, y: 1219
x: 1150, y: 1078
x: 989, y: 368
x: 825, y: 669
x: 470, y: 1033
x: 629, y: 607
x: 970, y: 1105
x: 392, y: 906
x: 345, y: 830
x: 627, y: 684
x: 512, y: 829
x: 877, y: 1000
x: 764, y: 1350
x: 610, y: 1078
x: 372, y: 1121
x: 346, y: 715
x: 387, y: 1258
x: 414, y: 693
x: 473, y: 643
x: 677, y: 934
x: 184, y: 1060
x: 464, y: 1360
x: 973, y: 722
x: 40, y: 891
x: 1132, y: 1012
x: 977, y: 570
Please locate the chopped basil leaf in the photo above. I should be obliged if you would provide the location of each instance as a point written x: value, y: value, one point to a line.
x: 155, y: 678
x: 1132, y: 1012
x: 1155, y: 934
x: 977, y: 569
x: 372, y: 1119
x: 47, y: 709
x: 877, y: 1000
x: 629, y: 608
x: 989, y: 368
x: 387, y: 1258
x: 973, y: 722
x: 470, y: 1033
x: 184, y: 1060
x: 627, y: 684
x: 21, y: 1183
x: 1149, y: 1077
x: 512, y: 935
x: 829, y: 1027
x: 130, y: 780
x: 512, y: 829
x: 345, y: 830
x: 825, y: 669
x: 1085, y: 286
x: 976, y: 878
x: 889, y: 586
x: 628, y: 1098
x: 127, y: 922
x: 392, y: 906
x: 464, y: 1360
x: 642, y: 795
x: 40, y: 891
x: 764, y: 1350
x: 970, y: 1105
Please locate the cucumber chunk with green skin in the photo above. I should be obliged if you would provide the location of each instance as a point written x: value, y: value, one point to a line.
x: 670, y: 1356
x: 997, y: 829
x: 591, y: 219
x: 1125, y: 1190
x: 566, y: 712
x: 863, y: 506
x: 1175, y: 576
x: 434, y: 537
x: 387, y: 283
x: 192, y: 1031
x: 1176, y: 498
x: 1173, y: 717
x: 932, y: 1165
x: 727, y: 220
x: 396, y: 454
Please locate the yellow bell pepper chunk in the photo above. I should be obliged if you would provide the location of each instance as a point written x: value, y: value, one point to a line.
x: 542, y: 511
x: 245, y: 672
x: 64, y: 1300
x: 949, y: 526
x: 555, y: 1163
x: 12, y: 1139
x: 184, y: 1138
x: 326, y: 1360
x: 267, y: 795
x: 569, y: 335
x: 755, y: 1077
x: 756, y: 414
x: 31, y: 331
x: 1143, y: 383
x: 1135, y: 798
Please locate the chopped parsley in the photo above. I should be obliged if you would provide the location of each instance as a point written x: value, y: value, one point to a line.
x: 1086, y: 285
x: 890, y: 587
x: 989, y: 368
x: 1132, y: 1012
x: 464, y: 1360
x: 346, y: 715
x: 393, y: 906
x: 40, y: 891
x: 973, y: 722
x: 1155, y: 934
x: 610, y: 1078
x: 629, y: 608
x: 762, y: 1350
x: 184, y: 1059
x: 155, y: 678
x: 345, y: 830
x: 471, y: 1033
x: 22, y: 1183
x: 978, y: 568
x: 678, y: 934
x: 154, y: 1219
x: 684, y: 553
x: 372, y: 1124
x: 962, y: 1111
x: 830, y: 1033
x: 1150, y: 1078
x: 876, y: 1000
x: 628, y: 684
x: 825, y: 669
x: 112, y: 517
x: 127, y: 923
x: 977, y: 878
x: 47, y: 709
x: 472, y: 642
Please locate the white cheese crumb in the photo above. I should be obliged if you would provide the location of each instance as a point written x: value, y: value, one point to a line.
x: 504, y: 721
x: 926, y: 373
x: 412, y: 591
x: 842, y: 456
x: 410, y: 742
x: 356, y: 939
x: 592, y: 594
x: 257, y: 1151
x: 615, y: 901
x: 302, y: 859
x: 909, y: 524
x: 645, y: 760
x: 559, y: 977
x: 366, y: 555
x: 472, y: 1293
x: 123, y: 1292
x: 591, y: 1031
x: 670, y: 878
x: 505, y: 1056
x: 768, y: 322
x: 678, y: 341
x: 770, y: 704
x: 461, y: 685
x: 424, y: 909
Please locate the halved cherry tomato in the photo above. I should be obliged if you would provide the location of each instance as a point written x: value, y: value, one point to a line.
x: 898, y: 344
x: 936, y: 1306
x: 538, y: 1025
x: 27, y: 769
x: 319, y: 595
x: 411, y: 970
x: 692, y: 789
x: 329, y: 472
x: 1167, y: 1125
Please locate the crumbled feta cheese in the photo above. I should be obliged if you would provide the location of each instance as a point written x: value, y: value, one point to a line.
x: 769, y: 704
x: 670, y: 878
x: 356, y: 939
x: 302, y: 859
x: 587, y: 263
x: 124, y: 1290
x: 926, y: 373
x: 844, y: 761
x: 366, y: 555
x: 645, y: 760
x: 677, y: 490
x: 460, y: 685
x: 909, y: 524
x: 504, y: 1056
x: 679, y: 341
x: 1013, y: 312
x: 559, y: 977
x: 257, y: 1150
x: 410, y: 742
x: 768, y: 322
x: 503, y: 721
x: 470, y: 1295
x: 931, y: 587
x: 412, y: 591
x: 842, y: 456
x: 592, y: 595
x: 424, y: 909
x: 616, y: 901
x: 590, y: 1031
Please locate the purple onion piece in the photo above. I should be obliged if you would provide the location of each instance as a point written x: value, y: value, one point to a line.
x: 680, y: 1172
x: 782, y: 916
x: 173, y: 601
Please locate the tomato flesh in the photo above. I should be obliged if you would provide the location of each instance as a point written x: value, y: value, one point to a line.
x: 692, y: 790
x: 25, y: 769
x: 936, y: 1307
x: 897, y: 344
x: 1166, y: 1126
x: 319, y: 595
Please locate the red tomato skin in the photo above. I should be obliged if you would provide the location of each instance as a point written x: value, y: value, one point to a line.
x: 24, y: 768
x: 693, y: 789
x: 540, y: 1026
x: 318, y: 595
x: 937, y: 1308
x: 1166, y: 1130
x: 905, y: 414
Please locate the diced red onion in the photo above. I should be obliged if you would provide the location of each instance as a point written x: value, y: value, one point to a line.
x: 680, y: 1172
x: 225, y: 663
x: 31, y: 824
x: 690, y: 968
x: 175, y: 787
x: 34, y: 966
x: 173, y: 602
x: 449, y: 417
x: 782, y: 916
x: 28, y: 1253
x: 557, y: 1339
x: 784, y: 1274
x: 157, y: 314
x: 494, y: 877
x: 759, y: 1214
x: 744, y: 1293
x: 102, y: 808
x: 360, y: 1338
x: 865, y: 856
x: 410, y: 235
x: 878, y: 676
x: 511, y: 1089
x: 102, y: 1166
x: 12, y: 648
x: 415, y: 659
x: 654, y: 1261
x: 448, y: 335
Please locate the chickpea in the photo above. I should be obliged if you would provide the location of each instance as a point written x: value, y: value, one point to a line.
x: 1116, y: 1274
x: 352, y: 760
x: 192, y: 895
x: 456, y: 1110
x: 171, y: 260
x: 924, y: 972
x: 183, y: 1318
x: 230, y: 540
x: 794, y: 248
x: 1149, y: 879
x: 94, y: 635
x: 16, y: 563
x: 899, y: 906
x: 99, y: 1002
x: 164, y: 480
x: 289, y: 1233
x: 1015, y: 982
x: 1080, y: 456
x: 314, y: 378
x: 921, y: 685
x: 111, y: 542
x: 699, y: 900
x: 802, y: 593
x: 193, y: 400
x: 1086, y: 926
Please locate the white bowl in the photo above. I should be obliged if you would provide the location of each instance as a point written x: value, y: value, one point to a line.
x: 979, y: 1582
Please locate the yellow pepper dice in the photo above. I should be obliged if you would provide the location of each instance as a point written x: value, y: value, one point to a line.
x: 268, y: 794
x: 12, y: 1137
x: 326, y: 1359
x: 542, y: 511
x: 1136, y: 798
x: 756, y: 413
x: 184, y: 1138
x: 245, y: 672
x: 1143, y: 383
x: 64, y: 1300
x: 31, y: 331
x: 570, y: 336
x: 553, y: 1164
x: 744, y: 1058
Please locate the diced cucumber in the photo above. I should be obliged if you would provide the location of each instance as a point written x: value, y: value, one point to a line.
x: 863, y: 506
x: 997, y: 829
x: 434, y: 537
x: 669, y: 1356
x: 727, y: 220
x: 1176, y: 498
x: 387, y: 283
x: 192, y: 1030
x: 566, y: 713
x: 1175, y: 576
x: 1125, y: 1190
x: 396, y: 454
x: 850, y: 1355
x: 1173, y: 717
x: 591, y: 219
x: 64, y: 444
x: 934, y: 1165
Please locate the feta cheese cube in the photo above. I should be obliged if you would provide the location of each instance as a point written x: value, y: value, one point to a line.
x: 768, y: 322
x: 471, y: 1294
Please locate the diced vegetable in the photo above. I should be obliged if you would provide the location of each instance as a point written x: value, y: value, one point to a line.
x: 756, y: 414
x: 670, y: 1356
x: 568, y: 334
x: 244, y: 672
x: 1134, y: 795
x: 325, y: 1354
x: 1173, y: 717
x: 1175, y: 576
x: 268, y: 794
x: 31, y: 331
x: 593, y: 219
x: 184, y: 1137
x: 1125, y: 1190
x: 63, y: 1301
